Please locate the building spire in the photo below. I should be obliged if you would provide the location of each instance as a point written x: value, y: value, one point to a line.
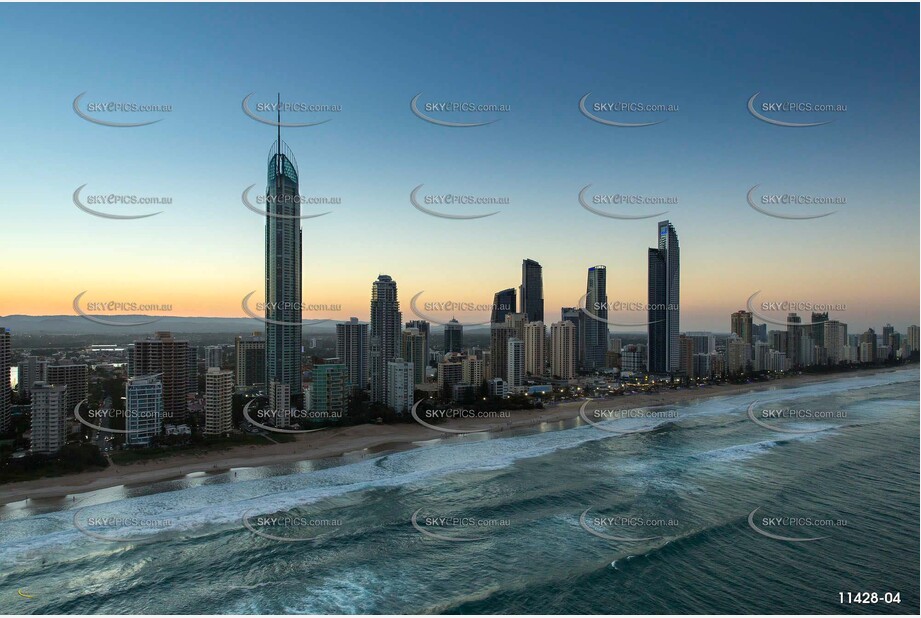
x: 278, y: 112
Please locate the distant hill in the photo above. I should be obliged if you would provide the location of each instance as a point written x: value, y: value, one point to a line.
x: 143, y: 324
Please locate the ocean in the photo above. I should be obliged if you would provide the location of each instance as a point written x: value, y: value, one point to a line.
x: 693, y: 508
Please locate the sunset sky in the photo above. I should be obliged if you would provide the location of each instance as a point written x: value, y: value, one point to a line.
x: 205, y: 251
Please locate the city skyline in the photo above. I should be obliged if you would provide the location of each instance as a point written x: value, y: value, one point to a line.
x: 541, y: 172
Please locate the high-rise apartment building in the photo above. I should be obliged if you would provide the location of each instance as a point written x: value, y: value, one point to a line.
x: 741, y: 325
x: 535, y: 348
x: 143, y: 409
x: 75, y: 378
x: 596, y: 319
x: 354, y: 350
x: 563, y: 350
x: 169, y: 357
x: 250, y: 361
x: 532, y: 291
x: 400, y: 388
x: 385, y: 335
x: 663, y: 294
x: 218, y: 401
x: 415, y: 352
x: 515, y: 365
x: 504, y: 302
x: 49, y: 417
x: 454, y: 336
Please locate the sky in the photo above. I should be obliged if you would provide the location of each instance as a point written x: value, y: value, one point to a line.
x: 204, y: 252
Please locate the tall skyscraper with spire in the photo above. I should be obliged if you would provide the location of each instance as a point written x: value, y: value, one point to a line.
x: 532, y: 291
x: 283, y: 254
x: 662, y: 352
x: 385, y: 334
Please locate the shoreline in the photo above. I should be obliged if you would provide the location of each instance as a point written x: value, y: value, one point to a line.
x: 369, y: 438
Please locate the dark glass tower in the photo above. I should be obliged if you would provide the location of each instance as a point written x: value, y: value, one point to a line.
x: 283, y: 253
x: 595, y: 318
x: 662, y: 353
x: 503, y: 304
x: 386, y: 336
x: 532, y: 291
x: 454, y: 336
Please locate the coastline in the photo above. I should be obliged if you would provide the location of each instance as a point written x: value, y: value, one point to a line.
x: 379, y: 439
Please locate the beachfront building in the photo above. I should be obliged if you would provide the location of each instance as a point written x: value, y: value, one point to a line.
x: 143, y: 409
x: 218, y: 401
x: 49, y: 417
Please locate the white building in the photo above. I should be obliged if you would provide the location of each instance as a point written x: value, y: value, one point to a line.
x: 515, y: 365
x: 143, y: 409
x: 218, y: 401
x: 49, y: 417
x: 400, y: 385
x: 280, y: 403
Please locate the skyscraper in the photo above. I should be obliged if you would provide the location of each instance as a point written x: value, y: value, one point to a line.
x: 426, y: 329
x: 250, y: 355
x: 499, y: 335
x: 818, y: 328
x: 283, y: 259
x: 400, y: 389
x: 535, y: 348
x: 214, y: 356
x: 532, y: 291
x: 6, y: 397
x: 596, y: 316
x: 454, y: 336
x: 663, y: 355
x: 218, y: 401
x: 31, y: 370
x: 414, y: 351
x: 515, y: 364
x: 741, y: 325
x: 385, y: 334
x: 49, y: 417
x: 75, y: 378
x: 328, y: 392
x: 576, y: 317
x: 169, y: 357
x: 563, y: 350
x: 143, y: 409
x: 353, y: 350
x: 503, y: 303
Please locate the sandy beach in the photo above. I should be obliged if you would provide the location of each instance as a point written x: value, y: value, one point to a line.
x: 369, y: 437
